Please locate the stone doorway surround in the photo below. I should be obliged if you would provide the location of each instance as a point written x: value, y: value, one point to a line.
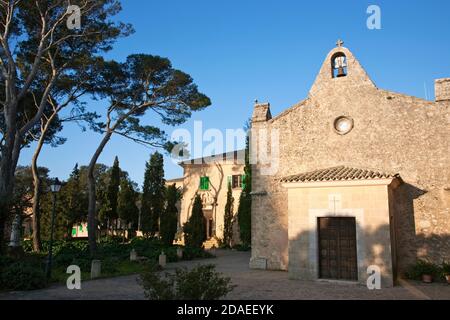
x: 341, y: 192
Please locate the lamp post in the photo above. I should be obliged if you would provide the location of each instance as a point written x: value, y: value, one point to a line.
x: 55, y: 187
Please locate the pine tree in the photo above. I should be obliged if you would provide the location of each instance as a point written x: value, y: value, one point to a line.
x: 194, y: 229
x: 228, y: 218
x: 245, y: 202
x: 153, y: 194
x: 126, y: 205
x: 169, y: 219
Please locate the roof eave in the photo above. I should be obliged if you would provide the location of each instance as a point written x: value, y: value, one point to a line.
x: 341, y: 183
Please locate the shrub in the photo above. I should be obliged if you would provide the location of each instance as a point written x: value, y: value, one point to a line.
x: 242, y: 247
x: 201, y: 283
x: 110, y: 265
x: 422, y: 267
x: 445, y: 269
x: 190, y: 253
x: 27, y: 274
x: 157, y: 287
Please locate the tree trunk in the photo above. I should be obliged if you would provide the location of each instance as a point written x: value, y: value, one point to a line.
x: 36, y: 216
x: 2, y: 233
x: 8, y: 163
x: 6, y: 188
x: 92, y: 221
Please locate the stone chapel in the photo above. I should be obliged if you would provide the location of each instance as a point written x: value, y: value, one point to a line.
x: 361, y: 178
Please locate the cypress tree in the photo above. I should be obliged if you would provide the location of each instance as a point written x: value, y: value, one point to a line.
x: 153, y: 194
x: 194, y: 229
x: 169, y: 219
x: 112, y: 192
x: 76, y: 201
x: 245, y: 201
x: 228, y: 218
x: 126, y: 205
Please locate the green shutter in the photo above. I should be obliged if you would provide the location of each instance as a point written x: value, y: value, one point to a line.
x: 74, y: 232
x: 204, y: 183
x: 230, y: 181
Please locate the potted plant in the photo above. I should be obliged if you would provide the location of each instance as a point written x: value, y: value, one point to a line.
x: 424, y: 271
x: 446, y: 271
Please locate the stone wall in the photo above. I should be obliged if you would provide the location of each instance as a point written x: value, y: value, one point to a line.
x: 392, y: 133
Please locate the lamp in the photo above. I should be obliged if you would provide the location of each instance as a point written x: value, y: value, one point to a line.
x: 55, y: 187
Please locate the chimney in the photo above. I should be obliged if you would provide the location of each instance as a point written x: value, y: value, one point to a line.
x: 261, y: 112
x: 442, y: 89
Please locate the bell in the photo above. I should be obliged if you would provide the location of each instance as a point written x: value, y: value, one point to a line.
x: 341, y: 72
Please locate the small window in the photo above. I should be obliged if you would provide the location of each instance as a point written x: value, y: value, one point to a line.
x: 204, y: 183
x: 236, y: 181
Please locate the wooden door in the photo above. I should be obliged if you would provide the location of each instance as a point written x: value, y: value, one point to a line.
x: 337, y: 249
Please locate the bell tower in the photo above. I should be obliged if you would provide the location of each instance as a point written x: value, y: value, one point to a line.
x: 340, y: 68
x: 339, y: 63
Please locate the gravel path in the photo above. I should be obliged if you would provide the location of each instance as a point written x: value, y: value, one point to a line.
x: 251, y: 284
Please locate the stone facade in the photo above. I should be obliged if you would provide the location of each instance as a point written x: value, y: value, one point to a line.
x: 391, y: 132
x: 219, y: 170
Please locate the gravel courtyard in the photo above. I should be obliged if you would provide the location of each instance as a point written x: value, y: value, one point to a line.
x: 251, y: 284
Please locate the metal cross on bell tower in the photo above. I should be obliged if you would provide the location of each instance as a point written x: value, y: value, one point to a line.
x: 340, y: 43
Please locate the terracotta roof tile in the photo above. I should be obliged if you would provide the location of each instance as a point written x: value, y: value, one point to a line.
x: 341, y: 173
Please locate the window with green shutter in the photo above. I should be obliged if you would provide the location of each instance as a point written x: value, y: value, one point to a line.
x: 237, y: 181
x: 204, y: 183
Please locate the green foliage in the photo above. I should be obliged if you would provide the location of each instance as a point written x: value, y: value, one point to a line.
x: 190, y: 253
x: 153, y: 194
x: 242, y: 247
x: 25, y: 274
x: 169, y: 219
x: 245, y: 202
x: 28, y: 273
x: 109, y: 211
x: 66, y: 252
x: 72, y: 201
x: 75, y: 200
x: 201, y: 283
x: 228, y: 218
x: 127, y: 209
x: 445, y: 268
x: 194, y: 229
x: 422, y: 267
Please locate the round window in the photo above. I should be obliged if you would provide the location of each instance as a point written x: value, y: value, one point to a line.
x: 343, y: 125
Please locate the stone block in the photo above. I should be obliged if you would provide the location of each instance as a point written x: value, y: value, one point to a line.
x: 96, y: 269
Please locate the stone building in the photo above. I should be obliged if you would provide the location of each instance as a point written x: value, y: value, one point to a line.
x: 355, y: 176
x: 209, y: 177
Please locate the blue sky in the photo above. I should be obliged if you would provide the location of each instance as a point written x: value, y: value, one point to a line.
x: 239, y: 51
